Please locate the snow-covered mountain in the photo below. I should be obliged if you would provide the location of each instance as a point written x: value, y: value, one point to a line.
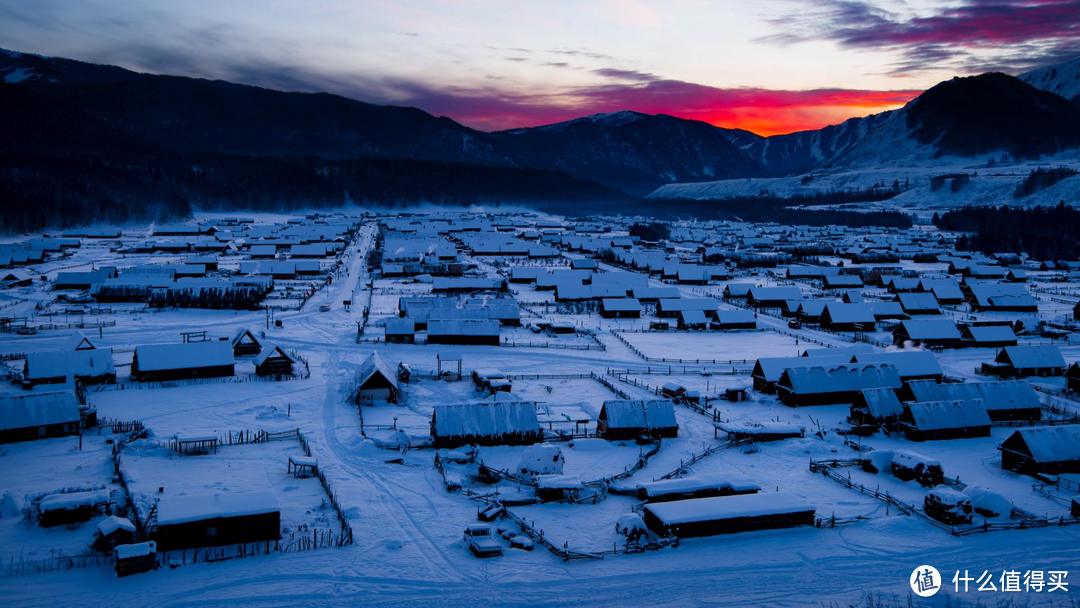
x: 1061, y: 79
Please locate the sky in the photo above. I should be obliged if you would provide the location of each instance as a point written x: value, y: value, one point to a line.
x: 769, y: 66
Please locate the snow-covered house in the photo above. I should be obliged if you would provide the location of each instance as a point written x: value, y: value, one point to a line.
x: 955, y: 419
x: 734, y: 319
x: 989, y: 336
x: 772, y: 297
x: 375, y: 381
x: 244, y: 343
x: 163, y: 362
x: 727, y: 514
x: 1050, y: 450
x: 628, y: 419
x: 839, y: 316
x: 463, y: 331
x: 38, y: 415
x: 224, y: 518
x: 620, y: 308
x: 272, y: 360
x: 93, y: 366
x: 875, y: 406
x: 1003, y: 297
x: 927, y: 332
x: 1003, y: 400
x: 919, y: 303
x: 826, y: 384
x: 399, y: 331
x: 496, y: 422
x: 1025, y: 361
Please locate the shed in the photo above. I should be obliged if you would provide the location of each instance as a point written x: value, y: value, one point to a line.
x: 400, y: 331
x: 244, y: 343
x: 1049, y: 450
x: 38, y: 415
x: 375, y: 381
x: 71, y: 507
x: 112, y: 531
x: 989, y: 336
x: 956, y: 419
x: 88, y: 366
x: 273, y: 361
x: 223, y: 518
x: 135, y: 558
x: 727, y: 514
x: 734, y: 319
x: 1025, y: 361
x: 627, y: 419
x: 463, y: 331
x: 620, y: 308
x: 164, y: 362
x: 494, y: 422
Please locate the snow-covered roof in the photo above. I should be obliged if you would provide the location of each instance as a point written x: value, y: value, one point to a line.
x: 1053, y: 443
x: 136, y: 550
x: 628, y: 414
x: 726, y: 507
x: 73, y: 500
x: 463, y: 327
x: 735, y: 316
x: 937, y: 415
x: 271, y: 350
x: 54, y: 364
x: 372, y: 366
x: 20, y: 411
x: 910, y: 364
x: 1000, y: 395
x: 157, y: 357
x: 840, y: 378
x: 841, y: 312
x: 621, y: 304
x: 991, y: 333
x: 174, y: 510
x: 693, y: 483
x: 1028, y: 357
x: 882, y: 402
x: 487, y: 419
x: 113, y: 523
x: 930, y: 329
x: 772, y: 368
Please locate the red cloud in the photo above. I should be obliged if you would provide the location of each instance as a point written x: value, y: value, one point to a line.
x: 763, y: 111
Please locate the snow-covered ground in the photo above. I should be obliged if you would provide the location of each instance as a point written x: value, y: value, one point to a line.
x: 407, y: 528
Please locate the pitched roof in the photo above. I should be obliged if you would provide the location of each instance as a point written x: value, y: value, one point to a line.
x: 487, y: 419
x: 1052, y: 443
x: 630, y: 414
x: 157, y: 357
x: 839, y: 378
x: 25, y: 410
x: 1000, y: 395
x: 938, y: 415
x: 1027, y: 357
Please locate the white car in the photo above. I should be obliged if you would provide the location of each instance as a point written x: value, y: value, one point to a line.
x: 481, y: 541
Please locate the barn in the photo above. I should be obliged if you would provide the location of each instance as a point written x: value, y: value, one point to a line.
x: 273, y: 361
x: 927, y: 332
x: 463, y: 331
x: 496, y: 422
x: 375, y: 382
x: 957, y: 419
x: 626, y: 419
x: 727, y: 514
x: 734, y: 319
x: 88, y: 366
x: 839, y: 316
x: 166, y: 362
x: 225, y: 518
x: 38, y: 415
x: 989, y: 336
x: 1047, y: 450
x: 919, y: 303
x: 1003, y: 400
x: 400, y: 331
x: 620, y: 308
x: 245, y: 344
x: 822, y: 385
x: 1026, y: 361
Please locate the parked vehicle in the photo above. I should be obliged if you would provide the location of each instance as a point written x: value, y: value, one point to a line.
x: 794, y: 324
x: 481, y: 541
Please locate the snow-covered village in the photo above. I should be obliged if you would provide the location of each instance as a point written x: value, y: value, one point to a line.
x: 515, y: 399
x: 581, y: 303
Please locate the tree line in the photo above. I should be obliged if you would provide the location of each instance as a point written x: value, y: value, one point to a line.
x: 1044, y: 233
